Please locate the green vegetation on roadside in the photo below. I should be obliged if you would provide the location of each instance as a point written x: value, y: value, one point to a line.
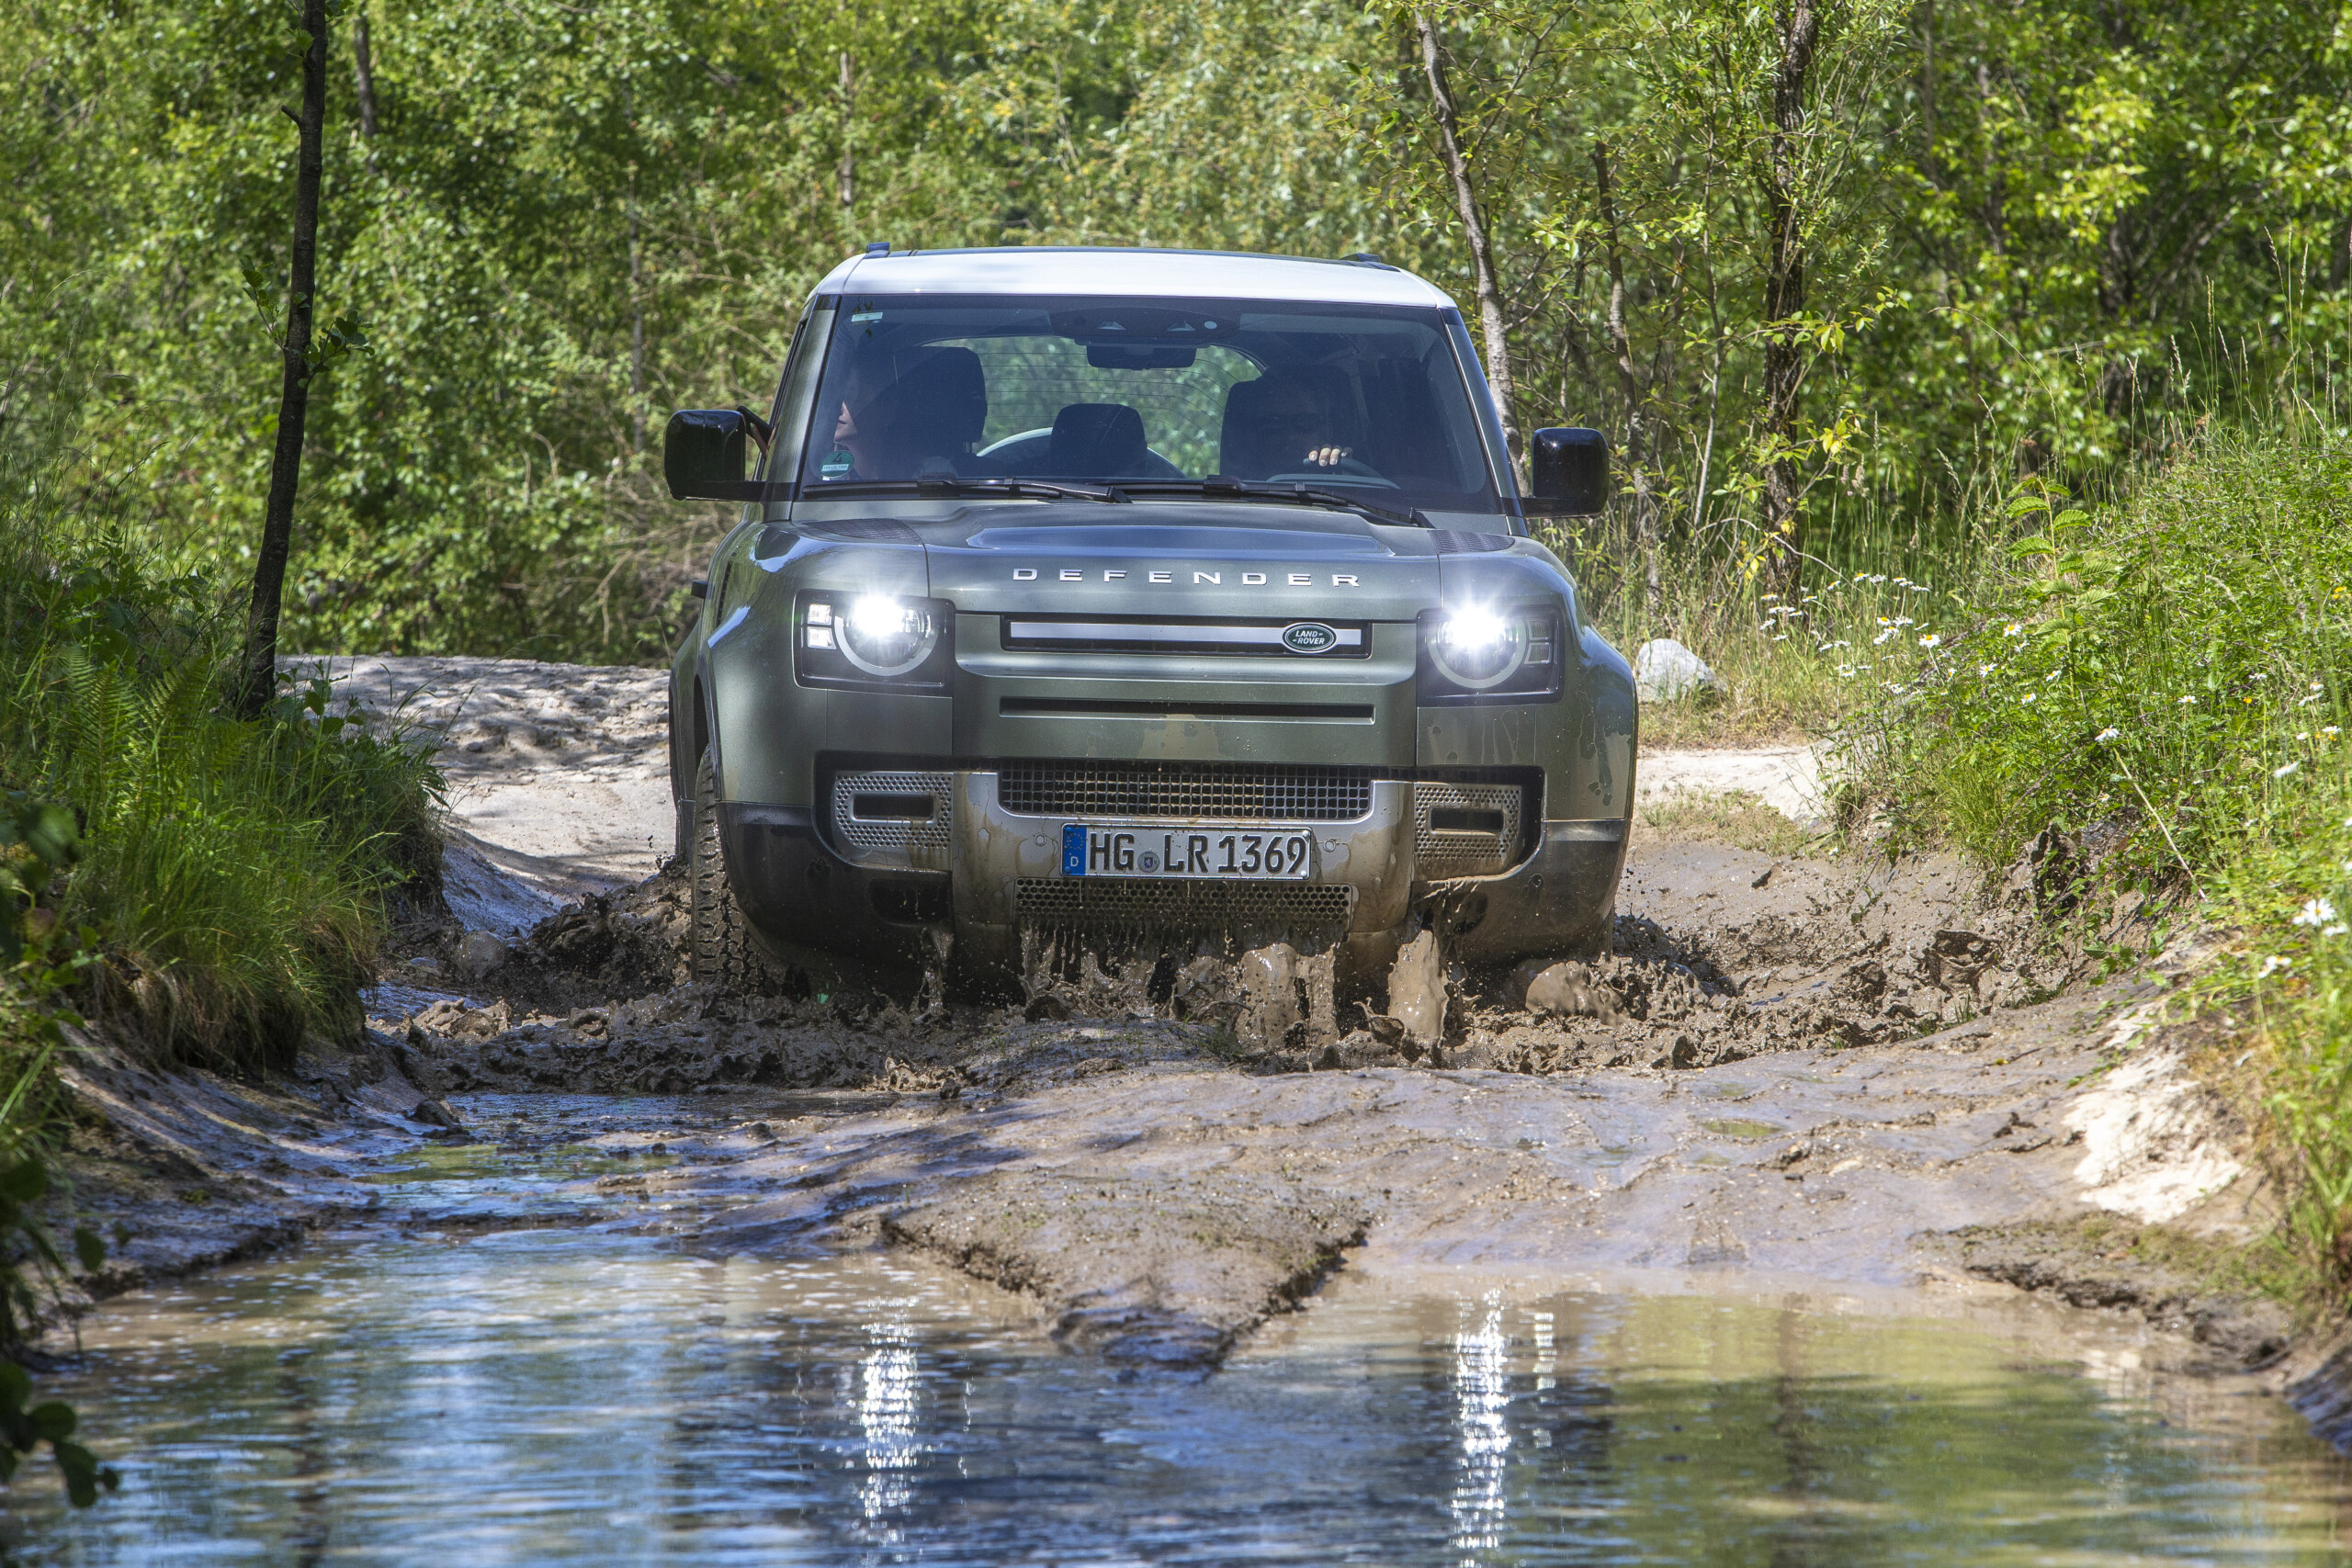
x: 2160, y: 681
x: 227, y: 879
x: 205, y: 890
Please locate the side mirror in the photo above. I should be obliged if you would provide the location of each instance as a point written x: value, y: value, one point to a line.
x: 1570, y: 469
x: 703, y: 452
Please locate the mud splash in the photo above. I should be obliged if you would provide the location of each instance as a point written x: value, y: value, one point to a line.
x: 1721, y: 955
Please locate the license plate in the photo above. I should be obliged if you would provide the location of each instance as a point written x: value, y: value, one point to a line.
x: 1091, y: 848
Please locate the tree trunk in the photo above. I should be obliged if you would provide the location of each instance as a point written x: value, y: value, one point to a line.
x: 1629, y: 384
x: 636, y: 327
x: 849, y: 159
x: 1784, y: 295
x: 1466, y: 201
x: 362, y: 66
x: 260, y: 679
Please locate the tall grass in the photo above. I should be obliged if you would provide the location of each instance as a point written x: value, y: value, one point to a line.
x: 229, y: 878
x: 1795, y: 668
x: 2169, y: 674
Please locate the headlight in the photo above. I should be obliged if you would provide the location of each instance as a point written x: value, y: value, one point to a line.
x: 860, y: 639
x: 1487, y: 653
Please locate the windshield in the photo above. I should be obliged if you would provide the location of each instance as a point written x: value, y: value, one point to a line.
x: 1138, y: 392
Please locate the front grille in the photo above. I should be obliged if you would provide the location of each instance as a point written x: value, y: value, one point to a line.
x: 1465, y: 829
x: 1164, y: 904
x: 1240, y: 792
x: 886, y: 812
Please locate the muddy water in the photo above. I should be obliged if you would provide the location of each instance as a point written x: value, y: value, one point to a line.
x: 579, y: 1390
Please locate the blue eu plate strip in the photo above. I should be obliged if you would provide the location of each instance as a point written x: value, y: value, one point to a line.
x: 1073, y: 849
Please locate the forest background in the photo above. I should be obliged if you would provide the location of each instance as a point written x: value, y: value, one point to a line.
x: 1825, y: 269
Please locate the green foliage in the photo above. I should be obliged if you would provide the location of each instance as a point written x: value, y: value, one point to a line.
x: 2165, y: 674
x: 24, y: 1430
x: 38, y: 839
x: 212, y: 885
x: 2020, y: 224
x: 31, y: 1271
x: 560, y: 224
x: 2169, y: 665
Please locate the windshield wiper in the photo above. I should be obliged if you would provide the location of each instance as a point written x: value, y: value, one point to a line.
x: 1297, y: 494
x: 953, y: 484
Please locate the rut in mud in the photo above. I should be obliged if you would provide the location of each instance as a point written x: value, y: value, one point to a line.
x: 1720, y: 954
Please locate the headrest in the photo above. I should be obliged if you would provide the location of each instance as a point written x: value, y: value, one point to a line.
x: 945, y: 397
x: 1104, y: 440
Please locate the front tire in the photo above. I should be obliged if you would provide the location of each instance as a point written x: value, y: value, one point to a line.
x: 724, y: 951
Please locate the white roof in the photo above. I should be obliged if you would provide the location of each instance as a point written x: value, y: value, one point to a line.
x: 1178, y: 274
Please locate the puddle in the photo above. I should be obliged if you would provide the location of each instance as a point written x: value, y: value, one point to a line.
x: 568, y: 1397
x: 1746, y: 1131
x: 555, y: 1385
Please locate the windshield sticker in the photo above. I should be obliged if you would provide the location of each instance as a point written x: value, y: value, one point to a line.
x: 866, y: 313
x: 836, y: 464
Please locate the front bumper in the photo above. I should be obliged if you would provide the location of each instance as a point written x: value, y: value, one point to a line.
x: 874, y: 872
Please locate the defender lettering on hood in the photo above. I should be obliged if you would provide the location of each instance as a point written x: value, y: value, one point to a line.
x: 1170, y: 576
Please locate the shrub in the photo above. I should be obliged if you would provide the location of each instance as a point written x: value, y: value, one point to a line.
x: 2170, y: 667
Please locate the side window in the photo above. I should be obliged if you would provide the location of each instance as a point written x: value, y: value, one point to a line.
x: 796, y: 392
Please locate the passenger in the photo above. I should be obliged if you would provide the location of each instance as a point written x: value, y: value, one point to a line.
x: 896, y: 426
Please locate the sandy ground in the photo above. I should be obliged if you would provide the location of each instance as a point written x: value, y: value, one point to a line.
x: 1791, y: 1076
x: 559, y: 781
x: 1787, y: 778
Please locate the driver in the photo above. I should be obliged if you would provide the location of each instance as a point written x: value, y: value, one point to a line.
x: 1294, y: 416
x: 906, y: 415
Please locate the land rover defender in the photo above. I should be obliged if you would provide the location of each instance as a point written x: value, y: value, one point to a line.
x: 1144, y: 590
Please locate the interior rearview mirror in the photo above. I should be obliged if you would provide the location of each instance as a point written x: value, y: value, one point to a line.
x: 704, y: 452
x: 1140, y: 355
x: 1570, y: 470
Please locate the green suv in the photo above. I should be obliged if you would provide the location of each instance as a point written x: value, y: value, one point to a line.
x: 1139, y: 591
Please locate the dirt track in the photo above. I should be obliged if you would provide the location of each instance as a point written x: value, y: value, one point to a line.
x: 1790, y: 1074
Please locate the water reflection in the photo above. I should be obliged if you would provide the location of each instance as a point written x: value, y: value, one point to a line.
x: 1481, y: 1396
x: 889, y: 1386
x: 566, y: 1397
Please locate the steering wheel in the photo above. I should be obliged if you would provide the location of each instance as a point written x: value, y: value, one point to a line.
x: 1364, y: 473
